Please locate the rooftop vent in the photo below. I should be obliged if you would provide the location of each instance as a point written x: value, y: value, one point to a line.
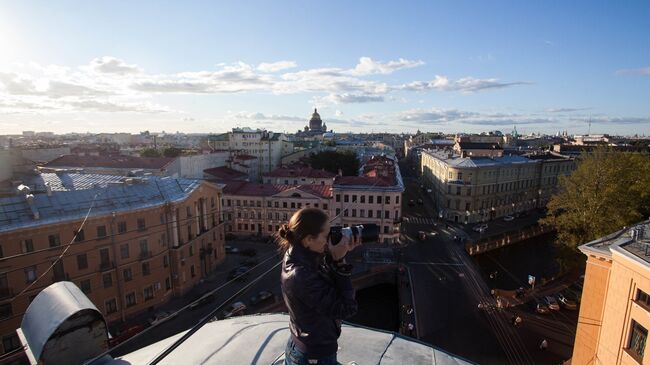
x: 62, y: 326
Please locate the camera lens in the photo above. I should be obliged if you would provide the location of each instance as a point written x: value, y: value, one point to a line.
x: 369, y: 233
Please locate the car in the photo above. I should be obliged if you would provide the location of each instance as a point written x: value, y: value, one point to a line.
x: 240, y: 273
x: 411, y: 203
x: 420, y: 202
x: 202, y: 300
x: 540, y: 307
x: 230, y: 249
x: 250, y: 252
x: 429, y: 191
x: 235, y: 309
x: 566, y: 302
x: 250, y: 262
x: 508, y: 218
x: 260, y: 297
x: 158, y: 317
x: 551, y: 303
x: 422, y: 235
x: 480, y: 228
x: 125, y: 334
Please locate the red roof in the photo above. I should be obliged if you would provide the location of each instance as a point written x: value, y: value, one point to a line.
x: 363, y: 180
x: 245, y: 157
x: 254, y: 189
x: 115, y: 161
x: 299, y: 171
x: 225, y: 173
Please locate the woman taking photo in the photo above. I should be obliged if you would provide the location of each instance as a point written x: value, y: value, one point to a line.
x: 316, y: 287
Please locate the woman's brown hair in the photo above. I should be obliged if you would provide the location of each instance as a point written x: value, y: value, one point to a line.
x: 303, y: 223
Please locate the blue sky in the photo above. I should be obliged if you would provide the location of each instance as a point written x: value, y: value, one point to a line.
x: 77, y: 66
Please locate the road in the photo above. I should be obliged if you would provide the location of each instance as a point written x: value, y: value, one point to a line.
x: 448, y: 286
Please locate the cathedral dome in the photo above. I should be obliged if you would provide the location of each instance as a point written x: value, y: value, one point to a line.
x: 315, y: 123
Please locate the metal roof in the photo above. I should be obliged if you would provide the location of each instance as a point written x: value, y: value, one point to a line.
x: 457, y: 161
x: 261, y: 339
x: 65, y: 181
x: 139, y: 193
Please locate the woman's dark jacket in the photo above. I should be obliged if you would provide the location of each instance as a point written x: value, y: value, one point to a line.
x: 318, y: 294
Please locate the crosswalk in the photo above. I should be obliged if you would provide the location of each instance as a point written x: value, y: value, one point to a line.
x: 419, y: 220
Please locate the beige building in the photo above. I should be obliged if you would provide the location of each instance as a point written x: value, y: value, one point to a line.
x: 478, y: 189
x: 298, y: 174
x: 615, y: 307
x: 145, y: 241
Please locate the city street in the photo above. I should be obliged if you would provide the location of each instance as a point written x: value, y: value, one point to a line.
x: 448, y: 287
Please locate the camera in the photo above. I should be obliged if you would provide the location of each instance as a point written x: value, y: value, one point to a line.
x: 367, y: 232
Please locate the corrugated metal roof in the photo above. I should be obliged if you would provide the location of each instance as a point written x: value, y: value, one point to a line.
x: 457, y: 161
x: 16, y: 213
x: 261, y: 339
x: 71, y: 181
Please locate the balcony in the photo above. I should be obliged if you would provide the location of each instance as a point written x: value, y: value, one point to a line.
x: 106, y: 265
x: 145, y: 255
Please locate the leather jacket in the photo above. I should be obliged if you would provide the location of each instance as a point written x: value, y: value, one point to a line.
x: 318, y: 296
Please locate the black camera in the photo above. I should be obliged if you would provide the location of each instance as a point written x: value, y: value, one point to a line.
x: 367, y: 232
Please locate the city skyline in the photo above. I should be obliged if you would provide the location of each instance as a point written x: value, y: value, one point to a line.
x: 77, y: 67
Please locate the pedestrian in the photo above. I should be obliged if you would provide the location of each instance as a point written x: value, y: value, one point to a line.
x: 409, y: 311
x: 518, y: 321
x: 544, y: 345
x: 410, y: 327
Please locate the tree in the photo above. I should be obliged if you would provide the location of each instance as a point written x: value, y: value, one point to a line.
x: 149, y: 152
x: 171, y: 152
x: 607, y: 191
x: 332, y: 161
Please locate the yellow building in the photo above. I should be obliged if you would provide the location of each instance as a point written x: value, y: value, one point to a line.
x: 615, y: 307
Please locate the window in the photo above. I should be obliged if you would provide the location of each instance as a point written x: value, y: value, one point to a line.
x: 397, y: 199
x: 124, y: 251
x: 371, y: 199
x: 346, y: 198
x: 141, y: 224
x: 363, y: 199
x: 276, y: 204
x: 284, y: 204
x: 324, y: 206
x: 27, y: 245
x: 54, y: 240
x: 144, y: 248
x: 354, y: 212
x: 107, y: 279
x: 460, y: 176
x: 101, y: 231
x: 148, y: 293
x: 6, y: 311
x: 168, y: 283
x: 362, y: 213
x: 338, y: 198
x: 111, y: 306
x: 345, y: 213
x: 293, y: 205
x: 386, y: 214
x: 85, y: 286
x: 354, y: 198
x: 378, y: 214
x: 146, y: 268
x: 11, y: 342
x: 378, y: 199
x: 386, y: 229
x: 338, y: 211
x: 638, y: 336
x: 30, y: 274
x: 643, y: 298
x: 130, y: 299
x: 82, y: 261
x: 128, y: 274
x: 388, y: 200
x: 192, y: 273
x: 191, y: 249
x: 458, y: 190
x: 165, y: 261
x: 79, y: 235
x: 121, y: 227
x: 369, y: 213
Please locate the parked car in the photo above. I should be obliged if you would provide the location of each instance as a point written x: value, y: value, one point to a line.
x: 411, y: 203
x: 235, y: 309
x: 230, y: 249
x: 125, y: 334
x: 260, y: 297
x: 480, y: 228
x: 202, y: 300
x: 156, y: 318
x: 551, y: 303
x: 250, y: 252
x: 508, y: 218
x: 566, y: 302
x: 420, y: 202
x: 540, y: 307
x: 240, y: 273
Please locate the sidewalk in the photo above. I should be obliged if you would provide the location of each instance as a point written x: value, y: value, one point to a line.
x: 407, y: 315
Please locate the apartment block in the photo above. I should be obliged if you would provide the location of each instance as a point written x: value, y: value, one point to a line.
x: 129, y: 245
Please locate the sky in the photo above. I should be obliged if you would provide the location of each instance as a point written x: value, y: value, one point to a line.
x: 368, y: 66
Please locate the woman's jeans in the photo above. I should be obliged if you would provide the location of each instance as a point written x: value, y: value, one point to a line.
x: 294, y: 356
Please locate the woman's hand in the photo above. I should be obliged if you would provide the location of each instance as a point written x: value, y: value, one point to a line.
x: 346, y: 245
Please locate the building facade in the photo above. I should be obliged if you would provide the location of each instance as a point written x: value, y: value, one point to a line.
x: 144, y: 242
x: 298, y: 174
x: 479, y: 189
x: 615, y: 305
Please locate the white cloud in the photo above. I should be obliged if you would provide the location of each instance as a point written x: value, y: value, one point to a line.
x: 112, y: 65
x: 276, y: 66
x: 465, y: 84
x: 347, y: 98
x: 367, y: 66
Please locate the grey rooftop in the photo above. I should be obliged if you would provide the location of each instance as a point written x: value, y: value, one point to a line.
x: 261, y: 339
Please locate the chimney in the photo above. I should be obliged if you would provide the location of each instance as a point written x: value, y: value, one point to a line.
x: 48, y: 189
x: 30, y: 201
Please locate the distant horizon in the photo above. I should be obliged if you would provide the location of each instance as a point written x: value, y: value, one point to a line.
x: 201, y: 67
